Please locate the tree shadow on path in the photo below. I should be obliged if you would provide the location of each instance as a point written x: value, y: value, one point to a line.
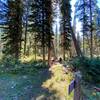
x: 39, y: 92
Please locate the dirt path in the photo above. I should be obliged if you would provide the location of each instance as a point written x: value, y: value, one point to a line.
x: 56, y: 86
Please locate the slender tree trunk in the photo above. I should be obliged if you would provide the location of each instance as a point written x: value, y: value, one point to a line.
x: 30, y: 43
x: 56, y: 40
x: 53, y: 49
x: 83, y: 44
x: 83, y: 27
x: 26, y: 25
x: 35, y: 55
x: 88, y: 44
x: 43, y: 51
x: 43, y: 45
x: 49, y: 56
x: 64, y: 39
x: 91, y: 31
x: 17, y: 51
x: 63, y: 53
x: 28, y: 50
x: 43, y: 33
x: 19, y: 29
x: 70, y: 53
x: 78, y: 50
x: 64, y: 46
x: 49, y: 45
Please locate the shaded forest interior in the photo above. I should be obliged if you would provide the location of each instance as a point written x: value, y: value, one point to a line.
x: 45, y: 28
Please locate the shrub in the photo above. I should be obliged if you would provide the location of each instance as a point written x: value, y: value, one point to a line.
x: 10, y: 65
x: 90, y: 68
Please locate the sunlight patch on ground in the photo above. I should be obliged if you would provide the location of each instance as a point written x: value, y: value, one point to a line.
x: 27, y: 58
x: 59, y: 82
x: 32, y: 58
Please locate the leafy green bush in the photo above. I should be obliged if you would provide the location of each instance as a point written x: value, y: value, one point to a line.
x: 90, y: 68
x: 10, y: 65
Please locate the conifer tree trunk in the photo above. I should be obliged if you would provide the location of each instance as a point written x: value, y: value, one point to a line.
x: 43, y: 50
x: 43, y: 31
x: 91, y: 30
x: 49, y: 56
x: 64, y: 36
x: 26, y: 25
x: 35, y: 49
x: 56, y: 40
x: 83, y: 27
x: 16, y: 29
x: 64, y: 46
x: 78, y: 50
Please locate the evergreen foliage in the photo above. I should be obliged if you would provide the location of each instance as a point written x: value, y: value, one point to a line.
x: 90, y: 68
x: 12, y: 36
x: 65, y: 27
x: 41, y: 23
x: 86, y: 13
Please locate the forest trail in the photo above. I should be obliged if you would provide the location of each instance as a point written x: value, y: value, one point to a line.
x: 47, y: 84
x: 56, y: 86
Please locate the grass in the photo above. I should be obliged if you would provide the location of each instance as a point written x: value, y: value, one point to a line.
x: 22, y: 87
x: 14, y: 86
x: 13, y: 66
x: 59, y: 82
x: 43, y: 85
x: 32, y: 57
x: 28, y: 79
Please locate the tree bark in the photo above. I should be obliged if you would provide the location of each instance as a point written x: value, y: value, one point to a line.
x: 43, y: 44
x: 35, y: 55
x: 26, y: 25
x: 83, y: 27
x: 78, y: 50
x: 91, y: 31
x: 64, y: 46
x: 49, y: 56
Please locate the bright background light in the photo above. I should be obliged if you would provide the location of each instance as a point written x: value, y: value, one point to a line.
x: 78, y: 24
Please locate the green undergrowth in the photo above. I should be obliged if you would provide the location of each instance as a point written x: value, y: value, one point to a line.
x: 21, y: 84
x: 90, y: 68
x: 89, y: 92
x: 13, y: 66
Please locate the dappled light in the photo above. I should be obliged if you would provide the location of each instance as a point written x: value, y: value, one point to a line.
x: 59, y: 82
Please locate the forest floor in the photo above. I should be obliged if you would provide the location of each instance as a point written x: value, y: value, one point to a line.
x: 47, y: 84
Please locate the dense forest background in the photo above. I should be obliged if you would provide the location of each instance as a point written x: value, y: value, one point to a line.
x: 27, y: 28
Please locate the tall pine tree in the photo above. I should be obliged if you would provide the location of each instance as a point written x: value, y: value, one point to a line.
x: 13, y: 34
